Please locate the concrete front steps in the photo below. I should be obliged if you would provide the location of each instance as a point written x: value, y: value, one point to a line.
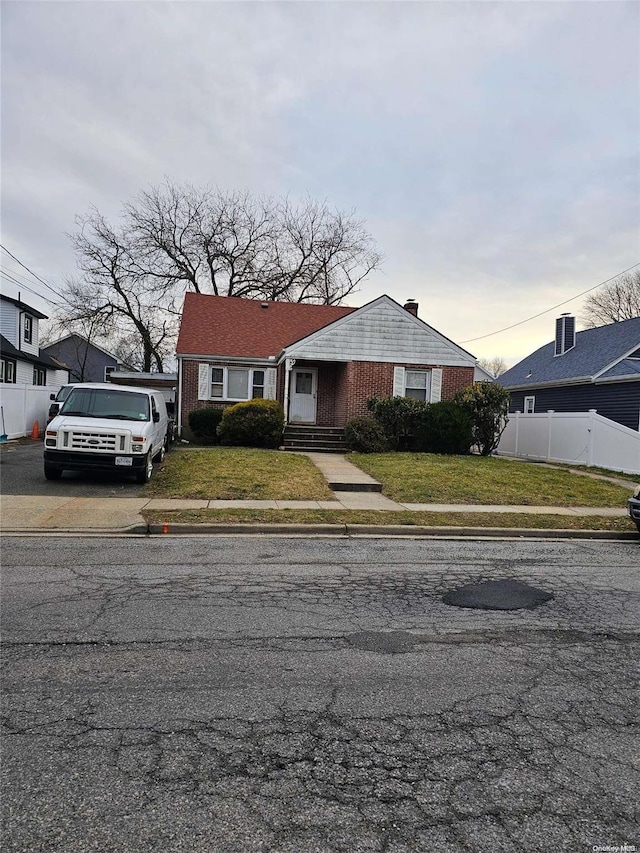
x: 314, y: 439
x: 343, y: 478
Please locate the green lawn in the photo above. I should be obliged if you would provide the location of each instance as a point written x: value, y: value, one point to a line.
x: 228, y: 473
x: 426, y: 519
x: 427, y: 478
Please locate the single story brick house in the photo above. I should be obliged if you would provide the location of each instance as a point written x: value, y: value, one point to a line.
x: 321, y: 362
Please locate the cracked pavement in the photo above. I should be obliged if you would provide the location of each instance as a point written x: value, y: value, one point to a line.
x: 197, y: 694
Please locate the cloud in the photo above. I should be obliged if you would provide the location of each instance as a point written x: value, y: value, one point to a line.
x: 490, y: 147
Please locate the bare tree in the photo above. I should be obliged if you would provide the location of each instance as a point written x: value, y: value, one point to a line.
x: 495, y: 365
x: 113, y: 291
x: 236, y: 245
x: 177, y: 237
x: 618, y: 300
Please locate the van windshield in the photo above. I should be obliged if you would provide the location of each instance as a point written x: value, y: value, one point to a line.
x: 104, y: 403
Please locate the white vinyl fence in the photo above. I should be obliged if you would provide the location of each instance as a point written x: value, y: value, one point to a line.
x: 581, y: 438
x: 22, y: 405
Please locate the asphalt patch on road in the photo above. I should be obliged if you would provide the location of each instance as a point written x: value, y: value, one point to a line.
x: 507, y: 594
x: 384, y: 642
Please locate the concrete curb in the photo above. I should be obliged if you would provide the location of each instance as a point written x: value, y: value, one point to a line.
x: 387, y: 530
x: 346, y: 530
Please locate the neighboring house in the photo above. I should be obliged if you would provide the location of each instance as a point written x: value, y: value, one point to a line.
x: 22, y: 361
x: 86, y: 361
x: 322, y: 362
x: 580, y: 371
x: 481, y: 374
x: 28, y: 375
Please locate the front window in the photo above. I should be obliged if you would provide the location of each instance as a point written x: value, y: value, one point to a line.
x: 105, y: 403
x: 529, y: 405
x: 236, y: 383
x: 257, y: 389
x: 39, y: 376
x: 217, y: 382
x: 416, y: 384
x: 7, y: 370
x: 28, y: 329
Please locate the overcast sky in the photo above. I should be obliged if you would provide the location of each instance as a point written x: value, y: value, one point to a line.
x: 493, y: 149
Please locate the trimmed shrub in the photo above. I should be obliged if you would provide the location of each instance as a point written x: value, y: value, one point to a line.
x: 400, y: 418
x: 256, y: 423
x: 445, y: 428
x: 365, y: 435
x: 204, y: 424
x: 487, y: 404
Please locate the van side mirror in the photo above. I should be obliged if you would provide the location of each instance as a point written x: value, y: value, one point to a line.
x: 156, y: 417
x: 52, y: 396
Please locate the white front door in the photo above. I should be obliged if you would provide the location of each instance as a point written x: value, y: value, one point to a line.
x: 302, y: 408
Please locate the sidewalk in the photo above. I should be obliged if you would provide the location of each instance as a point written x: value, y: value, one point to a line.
x: 353, y: 489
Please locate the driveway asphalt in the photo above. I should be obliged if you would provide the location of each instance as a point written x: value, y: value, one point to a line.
x: 21, y: 473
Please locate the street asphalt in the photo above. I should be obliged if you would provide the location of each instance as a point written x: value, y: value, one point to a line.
x: 270, y: 695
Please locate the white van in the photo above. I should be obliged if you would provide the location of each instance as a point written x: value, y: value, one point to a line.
x: 107, y: 427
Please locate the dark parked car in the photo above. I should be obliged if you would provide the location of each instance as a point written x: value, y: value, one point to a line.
x: 633, y: 507
x: 58, y: 399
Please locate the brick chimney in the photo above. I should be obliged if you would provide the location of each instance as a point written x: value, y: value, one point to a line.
x: 411, y: 306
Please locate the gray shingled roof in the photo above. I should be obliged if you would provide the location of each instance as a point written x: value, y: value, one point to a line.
x: 8, y: 350
x: 594, y: 350
x: 626, y: 367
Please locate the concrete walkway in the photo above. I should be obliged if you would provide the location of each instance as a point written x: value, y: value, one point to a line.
x: 20, y: 513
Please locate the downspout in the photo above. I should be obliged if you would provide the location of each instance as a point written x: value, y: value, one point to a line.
x: 288, y: 364
x: 179, y: 400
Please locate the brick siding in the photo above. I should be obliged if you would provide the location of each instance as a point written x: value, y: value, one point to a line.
x: 343, y: 388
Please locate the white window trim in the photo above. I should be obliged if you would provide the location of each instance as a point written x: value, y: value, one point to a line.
x: 434, y: 382
x: 27, y: 323
x: 225, y: 398
x: 529, y: 401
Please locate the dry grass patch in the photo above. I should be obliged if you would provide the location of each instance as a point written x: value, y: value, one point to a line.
x: 229, y: 473
x: 426, y: 519
x: 428, y: 478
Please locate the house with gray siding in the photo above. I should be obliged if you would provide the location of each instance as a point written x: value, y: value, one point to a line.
x: 87, y: 362
x: 580, y: 371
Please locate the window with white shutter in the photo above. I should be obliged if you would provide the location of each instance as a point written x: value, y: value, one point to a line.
x: 436, y: 385
x: 235, y: 383
x: 398, y: 381
x: 270, y: 383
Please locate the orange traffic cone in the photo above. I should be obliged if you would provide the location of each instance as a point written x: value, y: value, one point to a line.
x: 35, y: 432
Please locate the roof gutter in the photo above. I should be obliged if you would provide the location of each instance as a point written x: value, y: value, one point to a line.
x: 582, y: 380
x: 268, y: 360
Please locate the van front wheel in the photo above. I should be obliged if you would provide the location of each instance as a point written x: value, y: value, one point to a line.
x: 144, y: 474
x: 52, y: 472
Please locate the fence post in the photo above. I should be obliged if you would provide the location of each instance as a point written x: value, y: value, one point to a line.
x: 515, y: 452
x: 549, y: 422
x: 590, y: 440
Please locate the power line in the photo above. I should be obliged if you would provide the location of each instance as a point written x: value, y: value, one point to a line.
x: 21, y: 282
x: 553, y: 308
x: 24, y: 266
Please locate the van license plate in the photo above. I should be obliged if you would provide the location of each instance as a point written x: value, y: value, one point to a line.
x: 124, y: 460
